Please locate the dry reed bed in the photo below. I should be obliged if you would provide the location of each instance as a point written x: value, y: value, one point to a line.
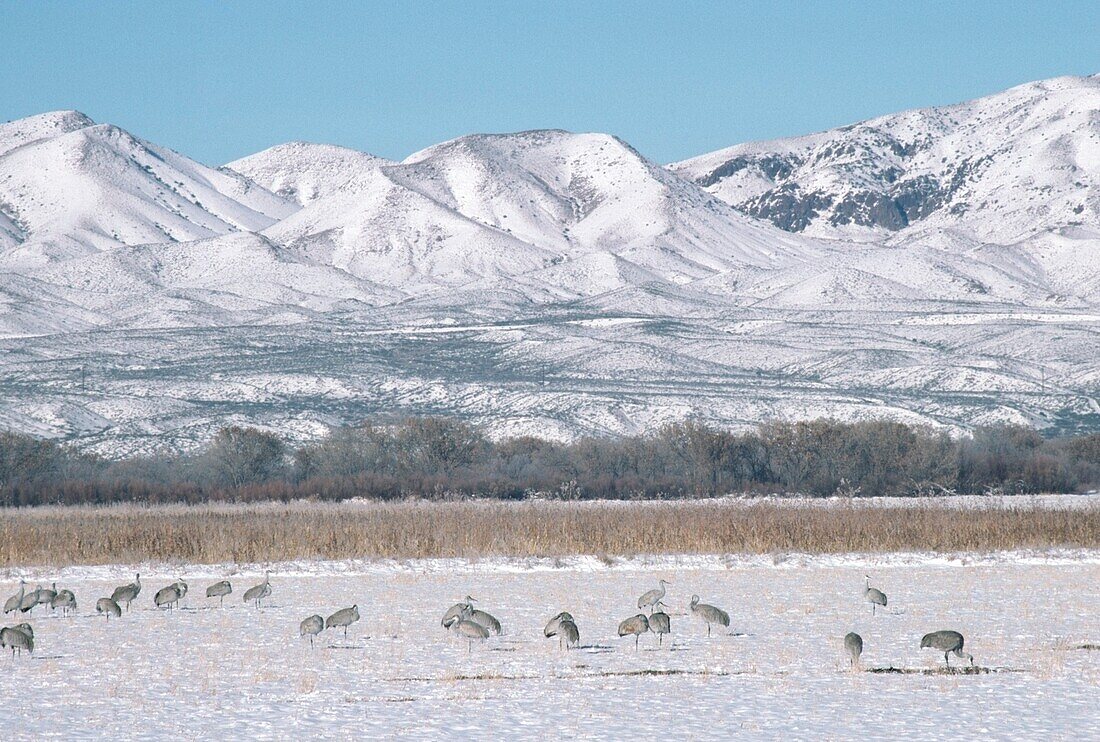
x: 275, y: 532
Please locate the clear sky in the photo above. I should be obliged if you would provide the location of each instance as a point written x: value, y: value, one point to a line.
x: 219, y: 80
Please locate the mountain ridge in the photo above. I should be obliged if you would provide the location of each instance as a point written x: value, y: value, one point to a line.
x: 555, y: 282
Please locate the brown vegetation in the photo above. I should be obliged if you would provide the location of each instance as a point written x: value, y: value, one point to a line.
x: 437, y: 458
x: 475, y: 529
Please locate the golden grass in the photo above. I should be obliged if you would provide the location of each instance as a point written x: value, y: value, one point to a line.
x: 275, y: 532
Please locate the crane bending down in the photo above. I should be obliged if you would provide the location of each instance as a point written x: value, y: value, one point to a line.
x: 108, y: 606
x: 949, y: 642
x: 344, y: 617
x: 636, y: 626
x: 709, y: 613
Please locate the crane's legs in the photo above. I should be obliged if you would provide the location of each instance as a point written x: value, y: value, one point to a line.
x: 708, y: 628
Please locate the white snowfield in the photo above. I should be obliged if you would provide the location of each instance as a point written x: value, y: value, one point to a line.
x: 938, y: 266
x: 778, y: 671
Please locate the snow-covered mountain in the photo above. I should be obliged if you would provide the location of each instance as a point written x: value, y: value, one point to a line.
x: 938, y: 266
x: 70, y: 187
x: 997, y: 169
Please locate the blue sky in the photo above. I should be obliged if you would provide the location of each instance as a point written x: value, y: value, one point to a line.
x: 221, y: 80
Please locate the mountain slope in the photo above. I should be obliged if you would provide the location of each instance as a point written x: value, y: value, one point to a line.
x: 69, y: 188
x: 492, y: 207
x: 999, y: 168
x: 304, y: 172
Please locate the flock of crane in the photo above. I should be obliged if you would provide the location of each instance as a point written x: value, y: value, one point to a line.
x: 462, y: 619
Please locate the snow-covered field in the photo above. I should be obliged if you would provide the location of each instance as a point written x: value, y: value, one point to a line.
x: 206, y: 671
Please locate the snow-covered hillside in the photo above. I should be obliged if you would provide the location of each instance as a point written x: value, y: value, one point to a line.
x: 69, y: 187
x: 938, y: 266
x: 1000, y: 169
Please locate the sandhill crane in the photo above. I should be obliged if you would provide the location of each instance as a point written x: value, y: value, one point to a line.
x: 13, y: 603
x: 950, y: 642
x: 708, y: 613
x: 108, y: 606
x: 256, y: 593
x: 219, y: 590
x: 47, y: 594
x: 311, y: 627
x: 456, y: 611
x: 30, y: 600
x: 853, y: 645
x: 181, y: 586
x: 568, y: 631
x: 636, y: 625
x: 127, y: 593
x: 470, y: 630
x: 65, y: 600
x: 552, y: 625
x: 17, y: 640
x: 168, y: 596
x: 653, y: 597
x: 344, y: 617
x: 26, y: 628
x: 555, y: 628
x: 660, y: 624
x: 481, y: 618
x: 877, y: 597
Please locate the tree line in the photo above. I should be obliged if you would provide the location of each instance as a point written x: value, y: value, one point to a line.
x: 440, y: 458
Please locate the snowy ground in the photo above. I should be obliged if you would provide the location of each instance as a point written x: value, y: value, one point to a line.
x: 206, y: 671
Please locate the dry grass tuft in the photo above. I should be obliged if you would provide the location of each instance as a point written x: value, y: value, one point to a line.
x: 275, y: 532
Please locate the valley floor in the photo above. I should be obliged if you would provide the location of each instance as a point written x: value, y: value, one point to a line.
x: 206, y: 671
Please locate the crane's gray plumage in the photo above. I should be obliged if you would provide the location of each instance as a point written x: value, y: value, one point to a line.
x: 853, y: 645
x: 108, y: 606
x: 651, y: 598
x: 168, y: 596
x: 256, y: 593
x: 47, y: 594
x: 30, y: 600
x: 219, y: 590
x: 65, y: 600
x: 455, y: 611
x: 17, y: 639
x: 949, y: 642
x: 636, y: 626
x: 660, y: 624
x: 127, y: 593
x: 708, y: 613
x: 877, y: 597
x: 569, y: 633
x: 344, y: 617
x: 181, y: 586
x: 311, y: 627
x: 552, y: 625
x: 563, y: 627
x: 13, y: 603
x: 481, y: 618
x: 469, y: 630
